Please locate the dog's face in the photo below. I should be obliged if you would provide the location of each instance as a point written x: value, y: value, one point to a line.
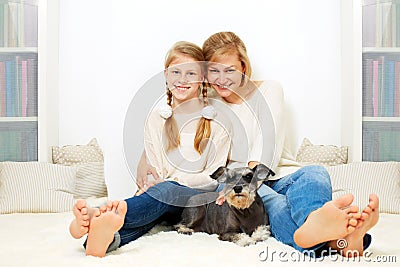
x: 241, y: 183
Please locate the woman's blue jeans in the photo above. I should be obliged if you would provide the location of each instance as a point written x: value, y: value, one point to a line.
x: 165, y: 200
x: 291, y: 199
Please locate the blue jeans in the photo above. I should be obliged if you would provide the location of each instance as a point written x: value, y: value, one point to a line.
x: 165, y: 200
x: 291, y: 199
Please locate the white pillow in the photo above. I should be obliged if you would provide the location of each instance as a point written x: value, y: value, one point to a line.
x: 363, y: 178
x: 36, y: 187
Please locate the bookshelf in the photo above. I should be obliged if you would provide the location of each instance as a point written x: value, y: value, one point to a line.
x: 381, y: 80
x: 28, y: 79
x: 370, y: 94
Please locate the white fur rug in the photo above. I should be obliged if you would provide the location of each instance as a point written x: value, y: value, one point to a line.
x: 43, y: 240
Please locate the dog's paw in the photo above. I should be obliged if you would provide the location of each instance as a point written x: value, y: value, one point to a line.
x: 244, y: 240
x: 261, y: 233
x: 183, y: 229
x: 241, y: 239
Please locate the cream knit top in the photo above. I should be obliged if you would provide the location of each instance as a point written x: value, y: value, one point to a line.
x: 184, y: 164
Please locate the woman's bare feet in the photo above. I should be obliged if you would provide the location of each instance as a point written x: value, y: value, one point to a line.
x: 334, y: 220
x: 83, y: 214
x: 352, y: 245
x: 103, y: 226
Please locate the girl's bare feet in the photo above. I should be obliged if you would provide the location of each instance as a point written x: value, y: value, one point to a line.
x: 80, y: 225
x: 103, y: 226
x: 352, y: 245
x: 334, y: 220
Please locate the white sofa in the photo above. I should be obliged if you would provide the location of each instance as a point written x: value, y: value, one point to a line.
x: 42, y: 239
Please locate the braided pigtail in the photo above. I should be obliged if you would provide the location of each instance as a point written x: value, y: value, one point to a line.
x: 171, y: 131
x: 203, y: 130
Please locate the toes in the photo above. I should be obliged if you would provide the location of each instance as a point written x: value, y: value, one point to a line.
x: 367, y: 210
x: 80, y: 203
x: 344, y: 201
x: 353, y: 222
x: 350, y: 229
x: 373, y: 201
x: 103, y: 209
x: 84, y: 211
x: 97, y: 213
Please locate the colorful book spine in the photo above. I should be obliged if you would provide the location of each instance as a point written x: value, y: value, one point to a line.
x: 17, y: 87
x: 9, y: 89
x: 398, y: 24
x: 2, y: 89
x: 31, y: 90
x: 368, y: 106
x: 375, y: 87
x: 369, y: 25
x: 397, y: 90
x: 381, y: 88
x: 389, y: 89
x: 1, y: 25
x: 23, y: 87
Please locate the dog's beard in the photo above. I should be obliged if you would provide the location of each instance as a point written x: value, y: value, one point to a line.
x: 243, y: 200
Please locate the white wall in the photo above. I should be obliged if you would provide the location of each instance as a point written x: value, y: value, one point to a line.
x: 109, y: 49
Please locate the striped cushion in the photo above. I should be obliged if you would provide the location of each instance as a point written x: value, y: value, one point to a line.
x: 90, y: 163
x: 90, y: 180
x: 363, y: 178
x: 36, y: 187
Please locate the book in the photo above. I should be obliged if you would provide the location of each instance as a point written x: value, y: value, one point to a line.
x: 368, y: 106
x: 369, y: 25
x: 31, y: 89
x: 9, y: 88
x: 388, y: 102
x: 2, y: 89
x: 23, y: 87
x: 20, y: 19
x: 397, y: 89
x: 1, y: 24
x: 30, y: 25
x: 17, y: 87
x: 375, y: 88
x: 398, y: 25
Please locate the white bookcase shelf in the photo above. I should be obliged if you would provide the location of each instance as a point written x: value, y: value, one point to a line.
x: 371, y: 79
x: 28, y: 79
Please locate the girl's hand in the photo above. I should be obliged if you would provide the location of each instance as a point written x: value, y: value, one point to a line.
x: 220, y: 199
x: 144, y: 172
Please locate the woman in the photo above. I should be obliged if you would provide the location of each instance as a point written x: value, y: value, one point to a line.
x: 301, y: 211
x: 184, y: 143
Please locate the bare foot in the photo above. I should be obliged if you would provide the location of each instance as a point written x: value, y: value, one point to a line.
x: 102, y: 228
x: 335, y: 219
x: 352, y: 245
x: 83, y: 214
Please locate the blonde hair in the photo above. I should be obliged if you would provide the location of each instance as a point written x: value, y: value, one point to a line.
x: 171, y: 131
x: 223, y: 43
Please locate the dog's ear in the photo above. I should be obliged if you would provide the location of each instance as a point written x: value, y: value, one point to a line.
x: 220, y: 174
x: 262, y: 172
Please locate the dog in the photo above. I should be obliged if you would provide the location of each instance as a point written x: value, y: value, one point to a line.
x: 241, y: 219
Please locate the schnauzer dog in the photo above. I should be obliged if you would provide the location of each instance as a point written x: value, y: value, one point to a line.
x: 242, y: 218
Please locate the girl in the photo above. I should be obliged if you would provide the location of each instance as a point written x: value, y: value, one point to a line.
x: 185, y: 143
x: 298, y: 215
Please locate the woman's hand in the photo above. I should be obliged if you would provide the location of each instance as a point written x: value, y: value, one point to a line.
x: 220, y: 199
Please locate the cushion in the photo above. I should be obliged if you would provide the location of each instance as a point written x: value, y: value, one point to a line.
x: 76, y: 154
x: 326, y: 155
x: 363, y: 178
x: 90, y: 180
x: 36, y: 187
x: 88, y: 159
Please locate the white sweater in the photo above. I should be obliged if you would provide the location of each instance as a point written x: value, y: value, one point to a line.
x: 257, y: 126
x: 184, y: 164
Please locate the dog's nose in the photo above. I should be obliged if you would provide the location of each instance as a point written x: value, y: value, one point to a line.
x: 238, y: 189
